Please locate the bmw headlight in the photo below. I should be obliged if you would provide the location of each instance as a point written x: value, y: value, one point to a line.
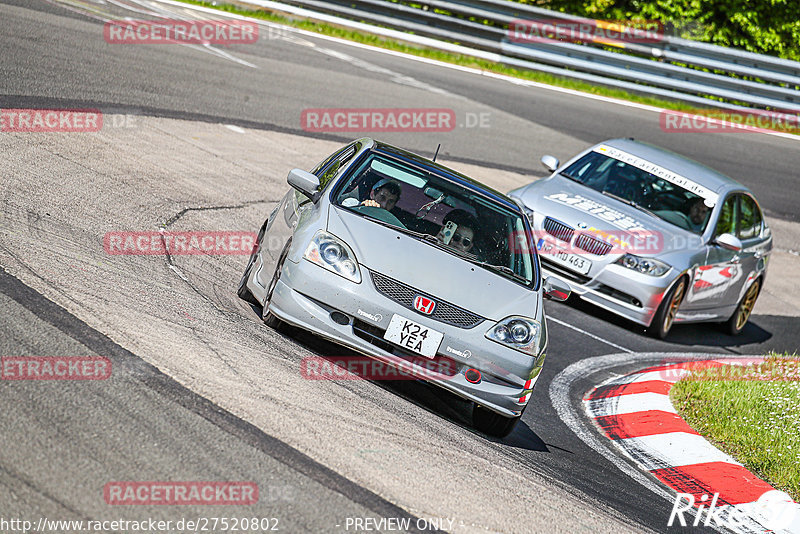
x: 519, y: 333
x: 643, y: 265
x: 333, y: 254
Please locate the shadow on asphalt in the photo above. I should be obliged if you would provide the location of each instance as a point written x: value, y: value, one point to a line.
x: 708, y: 334
x: 432, y: 398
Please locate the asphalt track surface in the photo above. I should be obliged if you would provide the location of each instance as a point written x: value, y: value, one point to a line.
x: 216, y: 396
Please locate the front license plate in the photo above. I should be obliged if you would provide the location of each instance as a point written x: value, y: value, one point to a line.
x: 573, y: 261
x: 413, y: 336
x: 576, y: 263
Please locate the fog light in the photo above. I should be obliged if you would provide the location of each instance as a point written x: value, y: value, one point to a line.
x: 473, y: 376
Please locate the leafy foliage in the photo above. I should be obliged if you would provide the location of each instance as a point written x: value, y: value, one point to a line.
x: 767, y: 26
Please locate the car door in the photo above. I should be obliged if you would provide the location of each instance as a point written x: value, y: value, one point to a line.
x: 721, y: 274
x: 749, y: 229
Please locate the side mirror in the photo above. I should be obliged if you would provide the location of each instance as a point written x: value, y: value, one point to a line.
x: 555, y: 289
x: 550, y: 163
x: 729, y: 241
x: 305, y: 182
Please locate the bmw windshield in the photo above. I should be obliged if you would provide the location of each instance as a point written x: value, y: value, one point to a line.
x: 664, y: 197
x: 441, y: 212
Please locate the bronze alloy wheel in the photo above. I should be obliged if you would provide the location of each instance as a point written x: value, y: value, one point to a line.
x: 677, y: 298
x: 740, y: 317
x: 665, y: 316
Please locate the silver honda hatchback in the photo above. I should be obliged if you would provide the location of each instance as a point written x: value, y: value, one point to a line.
x: 650, y: 235
x: 413, y: 264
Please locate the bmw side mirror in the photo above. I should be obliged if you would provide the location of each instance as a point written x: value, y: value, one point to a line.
x: 729, y: 241
x: 550, y: 163
x: 555, y: 289
x: 305, y: 182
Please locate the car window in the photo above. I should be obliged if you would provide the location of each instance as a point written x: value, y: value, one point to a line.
x: 726, y: 224
x: 643, y: 190
x: 329, y: 168
x: 441, y: 212
x: 324, y: 163
x: 749, y: 218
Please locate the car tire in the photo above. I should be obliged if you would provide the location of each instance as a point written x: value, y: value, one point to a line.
x: 492, y: 423
x: 738, y: 320
x: 665, y: 316
x: 242, y: 290
x: 268, y: 317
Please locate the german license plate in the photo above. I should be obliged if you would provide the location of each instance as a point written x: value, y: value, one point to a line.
x: 562, y: 257
x: 413, y: 336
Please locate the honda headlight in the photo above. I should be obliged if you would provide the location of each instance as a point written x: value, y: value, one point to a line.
x: 519, y: 333
x: 333, y: 254
x: 643, y: 265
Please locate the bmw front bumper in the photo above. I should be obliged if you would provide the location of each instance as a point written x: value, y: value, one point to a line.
x: 632, y: 295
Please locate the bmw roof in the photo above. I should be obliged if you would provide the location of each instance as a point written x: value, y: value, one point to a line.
x: 693, y: 170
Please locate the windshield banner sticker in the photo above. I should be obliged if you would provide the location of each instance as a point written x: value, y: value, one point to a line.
x: 709, y: 196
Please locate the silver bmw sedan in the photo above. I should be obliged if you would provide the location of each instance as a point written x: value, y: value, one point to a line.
x: 650, y: 235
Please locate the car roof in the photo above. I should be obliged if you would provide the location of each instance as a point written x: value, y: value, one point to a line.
x: 693, y: 170
x: 441, y: 170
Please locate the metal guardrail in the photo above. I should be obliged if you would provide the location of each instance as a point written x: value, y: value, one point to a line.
x: 667, y: 67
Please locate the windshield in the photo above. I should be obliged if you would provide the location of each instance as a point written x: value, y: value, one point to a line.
x: 440, y: 212
x: 641, y: 189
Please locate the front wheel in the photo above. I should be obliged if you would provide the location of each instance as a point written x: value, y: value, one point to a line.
x: 268, y: 317
x: 665, y: 316
x: 492, y: 423
x: 735, y: 324
x: 242, y: 290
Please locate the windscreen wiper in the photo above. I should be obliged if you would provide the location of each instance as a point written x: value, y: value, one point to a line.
x: 420, y: 235
x: 570, y: 177
x: 630, y: 203
x: 502, y: 268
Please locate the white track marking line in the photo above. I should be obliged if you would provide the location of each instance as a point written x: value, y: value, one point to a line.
x: 625, y: 404
x: 593, y: 336
x: 102, y: 16
x: 510, y: 79
x: 673, y: 449
x: 666, y: 375
x: 395, y: 77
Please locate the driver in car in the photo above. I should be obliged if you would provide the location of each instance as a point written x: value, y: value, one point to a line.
x: 698, y: 211
x: 384, y: 194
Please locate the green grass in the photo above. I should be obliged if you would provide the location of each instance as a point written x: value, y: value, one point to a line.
x: 753, y: 414
x: 456, y: 59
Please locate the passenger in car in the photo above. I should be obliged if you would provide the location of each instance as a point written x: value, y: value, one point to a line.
x: 463, y: 238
